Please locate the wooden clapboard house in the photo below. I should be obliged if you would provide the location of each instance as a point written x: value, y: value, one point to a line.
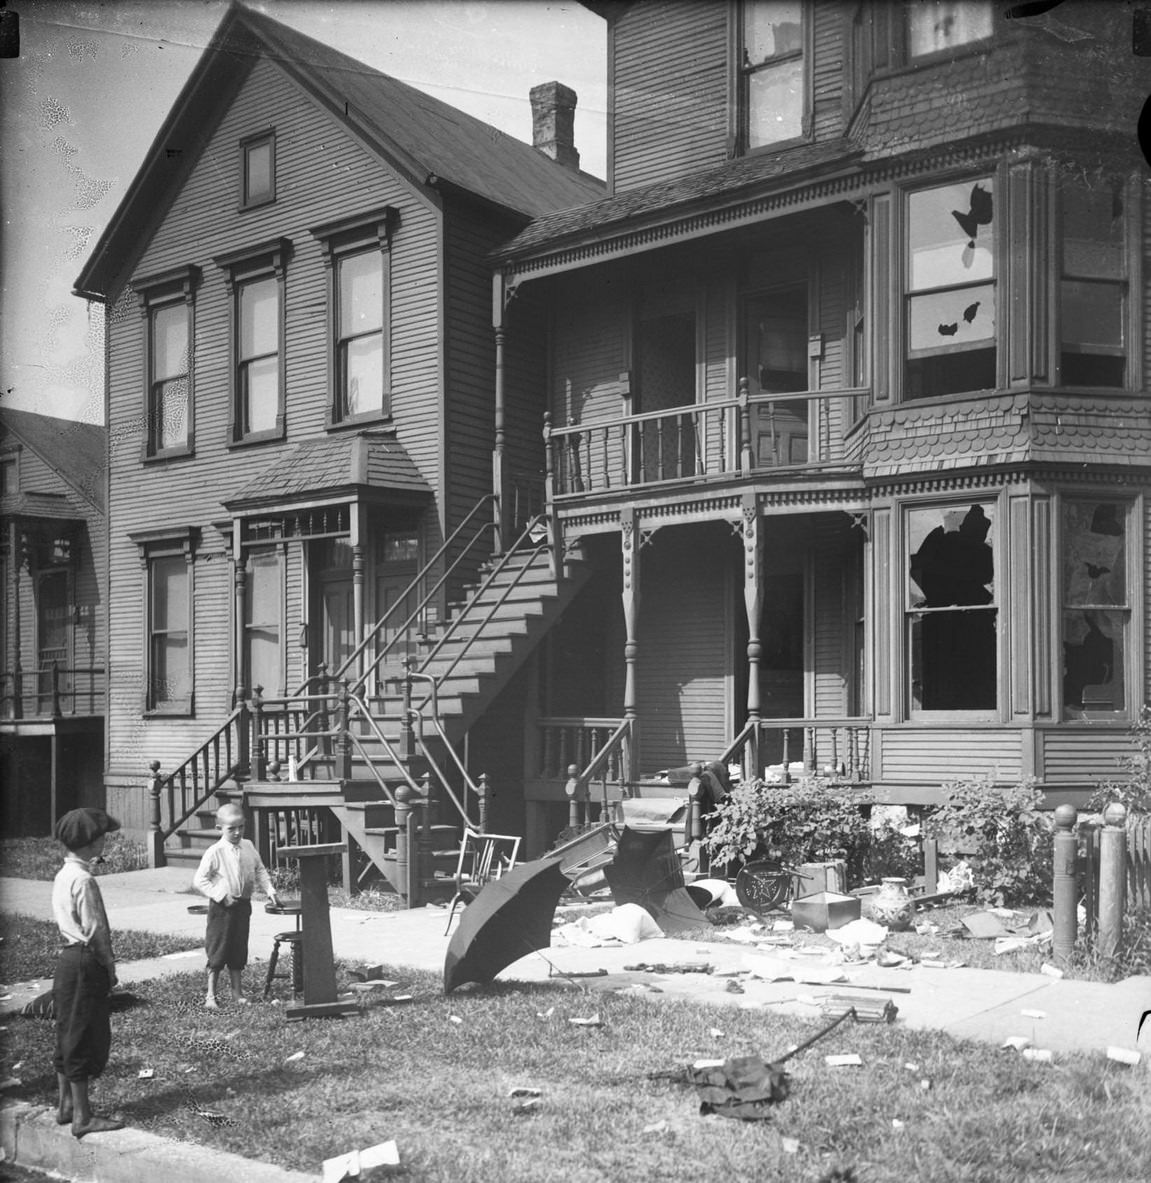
x: 847, y: 399
x: 302, y: 437
x: 52, y: 640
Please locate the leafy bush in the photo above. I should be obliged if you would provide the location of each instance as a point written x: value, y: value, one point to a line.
x: 809, y: 821
x: 1005, y: 837
x: 1135, y: 791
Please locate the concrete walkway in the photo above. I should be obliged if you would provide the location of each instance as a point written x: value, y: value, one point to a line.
x: 984, y: 1005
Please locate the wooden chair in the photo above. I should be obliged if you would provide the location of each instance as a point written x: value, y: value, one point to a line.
x: 483, y: 857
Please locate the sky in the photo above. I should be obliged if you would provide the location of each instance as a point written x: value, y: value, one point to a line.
x: 80, y: 106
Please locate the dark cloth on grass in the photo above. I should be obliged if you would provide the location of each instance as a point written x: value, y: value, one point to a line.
x: 226, y: 940
x: 81, y: 990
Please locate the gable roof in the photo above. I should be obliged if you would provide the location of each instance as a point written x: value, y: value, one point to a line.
x: 74, y: 451
x: 433, y: 142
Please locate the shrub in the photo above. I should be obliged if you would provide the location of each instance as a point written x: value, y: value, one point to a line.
x: 1006, y: 838
x: 1135, y: 791
x: 811, y: 820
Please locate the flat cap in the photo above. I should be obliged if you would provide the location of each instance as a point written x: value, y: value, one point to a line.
x: 79, y: 827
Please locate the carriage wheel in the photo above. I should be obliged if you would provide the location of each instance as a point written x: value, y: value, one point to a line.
x: 762, y: 885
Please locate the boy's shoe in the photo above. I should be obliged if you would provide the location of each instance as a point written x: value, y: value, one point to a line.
x: 211, y: 1004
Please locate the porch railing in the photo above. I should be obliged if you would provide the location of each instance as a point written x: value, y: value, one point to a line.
x: 785, y: 748
x: 53, y: 692
x: 176, y: 796
x: 726, y: 437
x: 611, y: 762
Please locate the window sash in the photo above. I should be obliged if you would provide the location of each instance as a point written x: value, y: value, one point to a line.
x: 259, y: 172
x: 937, y: 25
x: 169, y: 629
x: 361, y: 304
x: 773, y: 68
x: 258, y: 360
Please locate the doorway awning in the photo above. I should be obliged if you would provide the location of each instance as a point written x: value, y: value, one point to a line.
x: 365, y: 467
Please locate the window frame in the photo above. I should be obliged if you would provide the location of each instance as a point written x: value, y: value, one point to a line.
x: 154, y: 545
x: 247, y: 144
x: 358, y: 234
x: 998, y: 607
x: 902, y: 27
x: 251, y: 265
x: 742, y: 75
x: 270, y: 556
x: 10, y: 460
x: 1130, y: 281
x: 156, y: 292
x: 1131, y: 646
x: 904, y: 294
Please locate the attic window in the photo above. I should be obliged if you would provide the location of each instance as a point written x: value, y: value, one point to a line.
x: 258, y: 156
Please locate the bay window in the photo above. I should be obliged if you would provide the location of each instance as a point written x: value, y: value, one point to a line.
x: 950, y: 609
x: 950, y: 285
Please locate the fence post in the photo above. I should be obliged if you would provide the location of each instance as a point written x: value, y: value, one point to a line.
x: 1112, y: 878
x: 1065, y: 884
x: 156, y: 829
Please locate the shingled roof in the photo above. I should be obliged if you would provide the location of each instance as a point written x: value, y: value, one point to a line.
x: 74, y: 451
x: 335, y: 464
x: 431, y: 141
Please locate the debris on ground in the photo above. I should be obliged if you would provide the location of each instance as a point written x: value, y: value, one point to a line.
x: 355, y: 1162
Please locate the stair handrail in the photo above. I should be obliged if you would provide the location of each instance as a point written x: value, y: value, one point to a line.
x: 353, y: 657
x: 469, y: 783
x: 234, y: 762
x: 361, y: 709
x: 517, y: 548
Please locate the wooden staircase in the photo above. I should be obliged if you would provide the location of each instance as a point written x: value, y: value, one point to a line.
x: 471, y: 658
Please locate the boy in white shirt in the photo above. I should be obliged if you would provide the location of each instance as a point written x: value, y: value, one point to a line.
x: 228, y: 873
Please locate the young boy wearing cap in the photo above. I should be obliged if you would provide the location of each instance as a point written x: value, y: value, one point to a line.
x: 85, y: 971
x: 228, y: 873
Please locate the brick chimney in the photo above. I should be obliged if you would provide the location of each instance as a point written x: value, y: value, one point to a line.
x: 553, y: 122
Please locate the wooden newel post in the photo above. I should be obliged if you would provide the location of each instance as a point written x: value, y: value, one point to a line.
x: 244, y: 741
x: 259, y: 769
x: 408, y: 802
x: 407, y: 731
x: 1065, y: 884
x: 319, y: 965
x: 344, y: 737
x: 1112, y: 878
x: 56, y: 712
x: 485, y: 801
x: 156, y: 827
x: 694, y: 829
x: 574, y: 795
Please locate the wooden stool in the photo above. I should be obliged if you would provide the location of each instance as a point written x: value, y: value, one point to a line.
x: 295, y: 939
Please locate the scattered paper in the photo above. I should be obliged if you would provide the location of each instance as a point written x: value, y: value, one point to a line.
x: 178, y: 956
x: 789, y: 1145
x: 525, y: 1091
x: 911, y: 1067
x: 591, y: 1021
x: 896, y: 1124
x: 1034, y: 1014
x: 294, y: 1057
x: 1018, y: 1042
x: 1050, y: 970
x: 1040, y: 1055
x: 658, y: 1127
x: 5, y: 997
x: 146, y: 1073
x: 1123, y: 1055
x: 1010, y: 944
x: 350, y: 1165
x: 454, y: 1019
x: 546, y: 1014
x: 845, y: 1060
x: 10, y: 1083
x: 715, y: 1033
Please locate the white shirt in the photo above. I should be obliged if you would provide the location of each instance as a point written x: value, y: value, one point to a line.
x: 78, y: 909
x: 231, y: 869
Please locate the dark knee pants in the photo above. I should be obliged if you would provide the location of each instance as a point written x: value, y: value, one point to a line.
x: 226, y: 941
x: 83, y: 1027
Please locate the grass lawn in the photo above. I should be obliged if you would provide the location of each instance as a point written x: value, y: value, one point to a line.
x: 436, y: 1073
x: 40, y: 858
x: 29, y: 947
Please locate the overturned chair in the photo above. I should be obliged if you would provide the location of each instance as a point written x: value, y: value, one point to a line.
x: 483, y: 857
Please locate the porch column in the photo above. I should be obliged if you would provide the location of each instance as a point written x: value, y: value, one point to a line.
x: 359, y: 531
x: 753, y: 606
x: 630, y: 541
x: 240, y: 581
x: 499, y: 475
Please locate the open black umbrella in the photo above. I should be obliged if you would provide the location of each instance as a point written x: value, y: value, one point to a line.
x: 510, y: 917
x: 646, y: 870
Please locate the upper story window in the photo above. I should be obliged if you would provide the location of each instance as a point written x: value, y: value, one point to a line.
x: 951, y: 615
x: 1093, y: 285
x: 773, y: 73
x: 950, y: 286
x: 936, y: 25
x: 358, y: 254
x: 167, y: 303
x: 256, y: 282
x: 258, y: 170
x: 9, y: 476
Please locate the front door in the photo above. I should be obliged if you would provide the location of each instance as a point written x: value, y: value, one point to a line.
x: 332, y: 613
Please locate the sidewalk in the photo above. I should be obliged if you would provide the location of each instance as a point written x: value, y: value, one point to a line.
x: 987, y: 1006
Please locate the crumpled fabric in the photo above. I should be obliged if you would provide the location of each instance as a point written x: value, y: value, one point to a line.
x: 742, y: 1087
